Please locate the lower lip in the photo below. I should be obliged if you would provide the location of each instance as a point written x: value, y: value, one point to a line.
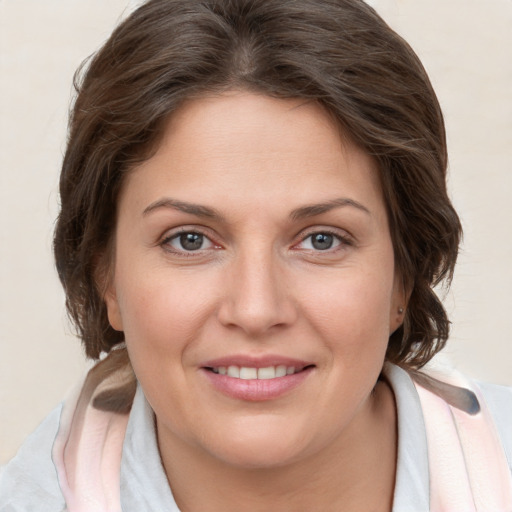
x: 256, y: 390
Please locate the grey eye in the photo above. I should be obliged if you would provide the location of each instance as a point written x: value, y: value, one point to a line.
x: 322, y: 241
x: 190, y: 241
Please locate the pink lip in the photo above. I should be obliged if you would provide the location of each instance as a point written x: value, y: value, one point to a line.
x: 255, y: 389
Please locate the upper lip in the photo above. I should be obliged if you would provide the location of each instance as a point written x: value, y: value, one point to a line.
x: 249, y: 361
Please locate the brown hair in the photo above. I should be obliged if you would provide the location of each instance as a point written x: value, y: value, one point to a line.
x: 339, y: 53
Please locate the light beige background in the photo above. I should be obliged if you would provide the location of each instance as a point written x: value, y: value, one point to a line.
x: 464, y: 44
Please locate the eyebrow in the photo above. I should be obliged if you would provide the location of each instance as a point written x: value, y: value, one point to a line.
x: 210, y: 213
x: 317, y: 209
x: 183, y: 206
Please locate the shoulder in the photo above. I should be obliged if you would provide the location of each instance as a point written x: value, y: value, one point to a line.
x: 29, y: 481
x: 464, y: 434
x: 498, y: 400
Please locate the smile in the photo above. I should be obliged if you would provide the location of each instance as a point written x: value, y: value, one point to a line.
x: 249, y: 373
x: 256, y: 379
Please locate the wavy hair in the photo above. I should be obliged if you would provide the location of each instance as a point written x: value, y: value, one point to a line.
x: 338, y: 53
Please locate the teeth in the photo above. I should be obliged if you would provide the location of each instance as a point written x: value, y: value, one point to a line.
x: 267, y: 373
x: 281, y: 370
x: 248, y: 373
x: 233, y: 371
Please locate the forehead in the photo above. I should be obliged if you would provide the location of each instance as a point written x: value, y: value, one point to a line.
x: 242, y: 144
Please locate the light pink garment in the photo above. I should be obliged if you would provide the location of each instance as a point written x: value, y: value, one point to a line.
x: 88, y: 447
x: 467, y: 464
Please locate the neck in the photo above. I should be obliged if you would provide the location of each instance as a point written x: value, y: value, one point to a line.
x: 356, y: 472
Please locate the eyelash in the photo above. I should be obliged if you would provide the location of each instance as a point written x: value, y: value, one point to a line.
x: 166, y: 242
x: 343, y: 242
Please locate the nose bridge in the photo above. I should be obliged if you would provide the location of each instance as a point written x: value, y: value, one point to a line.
x: 257, y: 298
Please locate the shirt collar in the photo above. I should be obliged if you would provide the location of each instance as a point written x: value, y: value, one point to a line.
x: 412, y: 474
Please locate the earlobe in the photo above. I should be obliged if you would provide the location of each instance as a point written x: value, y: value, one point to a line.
x: 113, y: 312
x: 398, y: 306
x: 396, y: 318
x: 104, y: 278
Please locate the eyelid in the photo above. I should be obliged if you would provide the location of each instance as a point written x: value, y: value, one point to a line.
x: 345, y: 239
x: 174, y: 233
x: 342, y: 236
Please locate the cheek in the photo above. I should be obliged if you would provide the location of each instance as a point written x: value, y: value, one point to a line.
x: 161, y: 320
x: 162, y: 312
x: 351, y: 312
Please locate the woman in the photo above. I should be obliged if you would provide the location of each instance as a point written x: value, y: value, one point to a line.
x: 254, y: 213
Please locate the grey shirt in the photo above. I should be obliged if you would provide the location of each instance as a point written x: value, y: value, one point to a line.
x: 29, y: 481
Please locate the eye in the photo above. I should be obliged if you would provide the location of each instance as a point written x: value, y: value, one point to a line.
x: 188, y: 241
x: 322, y: 241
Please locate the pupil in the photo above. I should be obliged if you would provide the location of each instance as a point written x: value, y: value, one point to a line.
x: 322, y: 241
x: 191, y: 241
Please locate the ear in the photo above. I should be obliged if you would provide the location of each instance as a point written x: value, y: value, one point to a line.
x: 399, y: 301
x: 105, y: 283
x: 113, y: 309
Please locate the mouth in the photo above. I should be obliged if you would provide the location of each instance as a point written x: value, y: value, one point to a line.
x: 256, y: 379
x: 258, y: 373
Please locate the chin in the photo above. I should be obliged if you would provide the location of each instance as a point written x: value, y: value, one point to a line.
x: 258, y: 457
x: 260, y: 448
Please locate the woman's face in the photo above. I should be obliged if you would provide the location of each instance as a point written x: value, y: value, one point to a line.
x: 254, y: 280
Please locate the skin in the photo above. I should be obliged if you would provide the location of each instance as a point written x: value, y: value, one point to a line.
x: 258, y: 285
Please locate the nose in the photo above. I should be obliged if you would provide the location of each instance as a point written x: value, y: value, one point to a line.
x: 257, y: 297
